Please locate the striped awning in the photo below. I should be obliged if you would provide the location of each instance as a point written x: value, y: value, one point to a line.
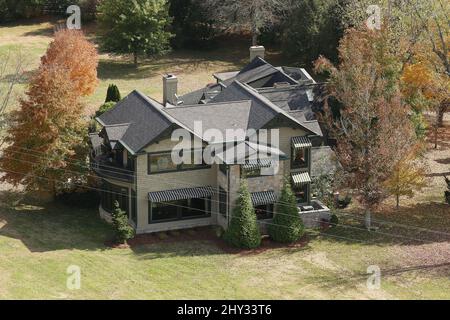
x: 263, y: 197
x: 301, y: 142
x: 300, y: 178
x: 180, y: 194
x: 256, y: 164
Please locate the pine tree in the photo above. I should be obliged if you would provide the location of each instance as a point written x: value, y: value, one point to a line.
x: 113, y: 94
x: 122, y: 229
x: 287, y: 226
x: 243, y: 231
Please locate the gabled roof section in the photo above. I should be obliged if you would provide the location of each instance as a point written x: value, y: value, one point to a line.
x: 220, y: 116
x: 202, y: 95
x: 259, y: 73
x: 144, y: 118
x: 292, y: 98
x: 262, y: 111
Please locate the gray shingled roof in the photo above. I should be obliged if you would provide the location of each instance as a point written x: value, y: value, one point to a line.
x: 201, y: 95
x: 221, y: 116
x: 145, y: 120
x: 260, y: 73
x: 137, y: 120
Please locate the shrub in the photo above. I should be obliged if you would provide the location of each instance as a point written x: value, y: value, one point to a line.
x: 343, y: 203
x: 334, y: 220
x: 112, y: 94
x: 122, y: 229
x: 287, y: 225
x: 243, y: 231
x: 104, y: 107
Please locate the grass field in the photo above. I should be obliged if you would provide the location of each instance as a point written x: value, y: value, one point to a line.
x: 39, y: 242
x: 193, y: 68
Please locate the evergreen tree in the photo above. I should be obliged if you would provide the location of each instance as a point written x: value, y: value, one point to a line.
x: 243, y: 231
x: 286, y: 225
x: 113, y: 94
x: 134, y: 27
x: 122, y: 229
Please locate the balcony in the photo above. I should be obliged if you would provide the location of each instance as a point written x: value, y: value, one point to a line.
x: 106, y: 167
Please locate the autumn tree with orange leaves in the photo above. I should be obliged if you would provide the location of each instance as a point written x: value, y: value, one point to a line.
x: 46, y: 144
x: 370, y: 120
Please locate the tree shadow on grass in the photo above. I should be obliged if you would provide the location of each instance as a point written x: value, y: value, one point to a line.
x: 51, y: 227
x: 422, y: 223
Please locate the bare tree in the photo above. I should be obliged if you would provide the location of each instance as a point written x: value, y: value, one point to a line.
x: 251, y: 15
x: 11, y: 72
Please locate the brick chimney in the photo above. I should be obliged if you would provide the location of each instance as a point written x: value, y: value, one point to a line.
x: 256, y: 51
x: 170, y: 87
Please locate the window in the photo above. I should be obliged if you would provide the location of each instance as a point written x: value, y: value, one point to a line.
x: 299, y: 157
x: 162, y: 162
x: 249, y: 173
x: 111, y: 193
x: 179, y: 209
x: 301, y: 193
x: 222, y: 202
x: 264, y: 211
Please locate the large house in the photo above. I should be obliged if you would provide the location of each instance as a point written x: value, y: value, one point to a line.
x: 133, y: 152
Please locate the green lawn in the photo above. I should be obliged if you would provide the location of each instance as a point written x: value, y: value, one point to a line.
x: 38, y: 243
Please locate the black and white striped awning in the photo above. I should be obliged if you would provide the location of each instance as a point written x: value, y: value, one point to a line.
x: 180, y: 194
x: 263, y: 197
x: 301, y: 142
x: 300, y: 178
x: 257, y: 164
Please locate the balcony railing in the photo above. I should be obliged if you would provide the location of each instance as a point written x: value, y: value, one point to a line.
x: 104, y: 167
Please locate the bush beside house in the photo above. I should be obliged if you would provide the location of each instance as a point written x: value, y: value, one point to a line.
x: 122, y: 229
x: 243, y: 231
x: 287, y: 227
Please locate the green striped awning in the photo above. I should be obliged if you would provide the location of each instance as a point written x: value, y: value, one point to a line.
x: 180, y: 194
x: 301, y: 142
x: 256, y: 164
x: 263, y: 197
x: 300, y: 178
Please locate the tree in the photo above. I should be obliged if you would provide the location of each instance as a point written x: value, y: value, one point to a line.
x: 243, y: 231
x: 192, y: 25
x: 11, y: 73
x: 372, y: 129
x: 71, y: 50
x: 122, y: 229
x: 46, y: 142
x: 134, y: 27
x: 407, y: 177
x: 105, y: 107
x: 418, y: 34
x: 247, y: 15
x: 287, y: 226
x: 113, y: 94
x: 313, y: 29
